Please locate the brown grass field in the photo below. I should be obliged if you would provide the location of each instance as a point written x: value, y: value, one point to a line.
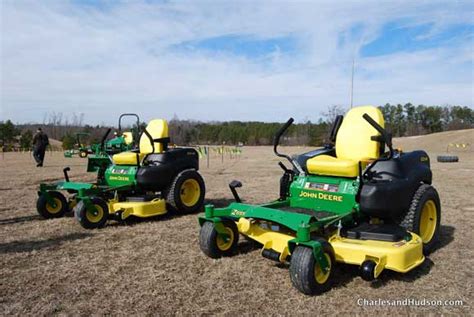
x: 54, y: 267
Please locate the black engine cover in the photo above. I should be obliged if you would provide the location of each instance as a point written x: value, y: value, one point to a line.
x: 388, y: 194
x: 159, y: 170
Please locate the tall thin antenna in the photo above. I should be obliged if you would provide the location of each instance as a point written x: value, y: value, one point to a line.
x: 352, y: 81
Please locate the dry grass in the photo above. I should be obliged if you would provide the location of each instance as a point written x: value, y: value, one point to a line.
x: 155, y: 267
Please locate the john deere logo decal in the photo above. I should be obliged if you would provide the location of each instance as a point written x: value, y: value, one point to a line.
x: 119, y: 178
x: 322, y: 196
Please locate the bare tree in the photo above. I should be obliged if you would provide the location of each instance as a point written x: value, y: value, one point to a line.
x: 332, y: 112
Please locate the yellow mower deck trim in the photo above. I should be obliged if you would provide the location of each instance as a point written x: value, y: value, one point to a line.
x: 401, y: 256
x: 270, y: 239
x: 140, y: 209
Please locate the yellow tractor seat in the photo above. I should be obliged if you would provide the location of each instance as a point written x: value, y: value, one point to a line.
x: 128, y: 137
x: 354, y: 144
x: 158, y: 129
x: 329, y: 165
x: 127, y: 158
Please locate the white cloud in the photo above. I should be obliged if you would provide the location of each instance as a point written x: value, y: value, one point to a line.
x: 58, y: 56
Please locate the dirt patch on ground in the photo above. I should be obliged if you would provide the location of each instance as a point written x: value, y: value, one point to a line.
x: 156, y: 267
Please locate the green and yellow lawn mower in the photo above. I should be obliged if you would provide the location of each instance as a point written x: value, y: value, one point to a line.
x: 80, y: 148
x: 149, y: 181
x: 348, y: 202
x: 122, y: 141
x: 54, y: 204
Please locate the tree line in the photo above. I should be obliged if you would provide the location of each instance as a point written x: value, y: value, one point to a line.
x: 402, y: 120
x: 408, y: 119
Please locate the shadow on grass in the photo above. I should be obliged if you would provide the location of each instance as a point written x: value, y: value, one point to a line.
x: 33, y: 245
x: 247, y: 245
x: 387, y: 275
x: 446, y: 237
x: 10, y: 221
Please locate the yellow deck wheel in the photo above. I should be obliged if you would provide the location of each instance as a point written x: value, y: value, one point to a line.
x: 224, y: 243
x: 216, y: 245
x: 47, y: 209
x: 428, y: 221
x: 56, y: 209
x: 319, y: 275
x: 306, y: 273
x: 94, y: 218
x: 190, y: 192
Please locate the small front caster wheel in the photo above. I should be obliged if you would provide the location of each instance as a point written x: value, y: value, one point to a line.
x: 367, y: 270
x: 216, y: 245
x: 92, y: 219
x: 49, y: 210
x: 83, y: 154
x: 305, y: 272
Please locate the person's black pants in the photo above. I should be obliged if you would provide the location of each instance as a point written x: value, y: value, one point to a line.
x: 38, y: 154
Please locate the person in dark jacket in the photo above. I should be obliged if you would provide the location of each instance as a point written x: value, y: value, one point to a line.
x: 40, y: 142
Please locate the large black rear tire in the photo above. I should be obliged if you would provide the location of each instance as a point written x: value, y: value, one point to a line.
x: 47, y: 211
x: 186, y: 193
x: 424, y: 216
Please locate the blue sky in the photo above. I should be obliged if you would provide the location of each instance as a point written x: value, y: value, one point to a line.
x: 240, y: 45
x: 396, y: 37
x: 234, y: 60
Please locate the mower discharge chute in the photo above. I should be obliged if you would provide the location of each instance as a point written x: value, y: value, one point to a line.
x: 145, y: 182
x: 348, y: 202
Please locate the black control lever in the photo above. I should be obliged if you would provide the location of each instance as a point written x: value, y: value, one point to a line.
x: 102, y: 142
x: 150, y: 138
x: 276, y: 142
x: 66, y: 176
x: 284, y: 168
x: 387, y: 137
x: 233, y: 185
x: 335, y: 127
x: 279, y: 133
x: 164, y: 141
